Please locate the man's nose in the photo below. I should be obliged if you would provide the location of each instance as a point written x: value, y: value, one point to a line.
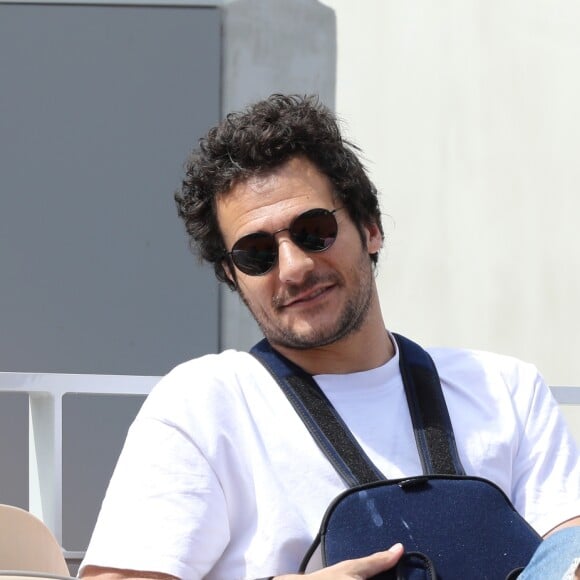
x: 293, y: 262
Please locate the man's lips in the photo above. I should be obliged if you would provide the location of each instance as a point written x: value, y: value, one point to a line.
x: 306, y: 296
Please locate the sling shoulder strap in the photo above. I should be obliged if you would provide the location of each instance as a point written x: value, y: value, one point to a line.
x: 429, y: 415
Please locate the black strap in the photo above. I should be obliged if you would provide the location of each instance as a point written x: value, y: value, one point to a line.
x: 431, y: 423
x: 429, y: 414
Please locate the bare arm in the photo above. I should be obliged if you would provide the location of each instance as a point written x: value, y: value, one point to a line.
x: 359, y: 569
x: 567, y: 524
x: 98, y: 573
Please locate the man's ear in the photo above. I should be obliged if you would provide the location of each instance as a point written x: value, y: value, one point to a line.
x: 374, y: 237
x: 230, y: 274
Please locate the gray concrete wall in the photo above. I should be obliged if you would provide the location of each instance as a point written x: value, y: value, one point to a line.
x: 99, y: 106
x: 98, y: 109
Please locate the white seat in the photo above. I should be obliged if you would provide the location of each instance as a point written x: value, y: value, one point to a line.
x: 27, y: 547
x: 16, y: 575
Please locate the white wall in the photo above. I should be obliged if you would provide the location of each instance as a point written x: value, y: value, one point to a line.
x: 468, y: 114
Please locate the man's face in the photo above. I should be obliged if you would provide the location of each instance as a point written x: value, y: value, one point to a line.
x: 307, y: 299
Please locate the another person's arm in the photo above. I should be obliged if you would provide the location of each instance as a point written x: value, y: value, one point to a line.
x: 567, y: 524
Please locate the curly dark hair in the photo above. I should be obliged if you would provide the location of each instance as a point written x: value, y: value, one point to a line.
x: 260, y: 139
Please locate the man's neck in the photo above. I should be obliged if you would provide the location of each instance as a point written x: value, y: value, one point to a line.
x: 355, y: 353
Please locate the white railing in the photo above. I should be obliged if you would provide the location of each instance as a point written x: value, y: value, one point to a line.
x: 567, y: 395
x: 192, y: 3
x: 46, y: 392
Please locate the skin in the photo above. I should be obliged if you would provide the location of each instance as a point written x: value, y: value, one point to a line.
x: 359, y: 569
x: 325, y: 302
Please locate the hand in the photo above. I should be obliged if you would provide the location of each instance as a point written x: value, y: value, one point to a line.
x: 359, y: 569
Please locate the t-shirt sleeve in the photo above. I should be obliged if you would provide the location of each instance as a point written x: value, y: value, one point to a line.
x: 546, y: 474
x: 164, y: 510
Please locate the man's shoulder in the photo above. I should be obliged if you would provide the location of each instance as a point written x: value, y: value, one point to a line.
x: 470, y: 356
x: 473, y: 367
x: 211, y: 378
x: 214, y: 364
x: 451, y: 357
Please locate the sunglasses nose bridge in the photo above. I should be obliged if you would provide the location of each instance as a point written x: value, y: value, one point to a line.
x: 281, y: 230
x: 276, y: 241
x: 293, y: 261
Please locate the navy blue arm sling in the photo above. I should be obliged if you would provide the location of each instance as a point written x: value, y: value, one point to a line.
x: 453, y: 526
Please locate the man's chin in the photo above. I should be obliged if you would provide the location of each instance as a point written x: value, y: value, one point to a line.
x: 303, y: 340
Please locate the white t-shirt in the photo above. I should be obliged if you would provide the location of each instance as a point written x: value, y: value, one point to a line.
x: 220, y: 479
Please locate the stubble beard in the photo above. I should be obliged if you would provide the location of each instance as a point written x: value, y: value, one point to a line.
x: 349, y: 320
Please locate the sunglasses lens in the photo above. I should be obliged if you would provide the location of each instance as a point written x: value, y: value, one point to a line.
x: 315, y: 230
x: 255, y: 254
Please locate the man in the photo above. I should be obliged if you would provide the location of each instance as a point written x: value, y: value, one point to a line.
x: 219, y: 478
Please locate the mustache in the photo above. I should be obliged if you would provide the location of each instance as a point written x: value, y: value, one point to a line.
x: 290, y: 291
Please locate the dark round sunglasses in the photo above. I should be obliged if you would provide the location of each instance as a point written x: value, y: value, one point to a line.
x: 313, y: 231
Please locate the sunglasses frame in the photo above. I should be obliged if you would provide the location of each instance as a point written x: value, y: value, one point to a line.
x: 322, y: 211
